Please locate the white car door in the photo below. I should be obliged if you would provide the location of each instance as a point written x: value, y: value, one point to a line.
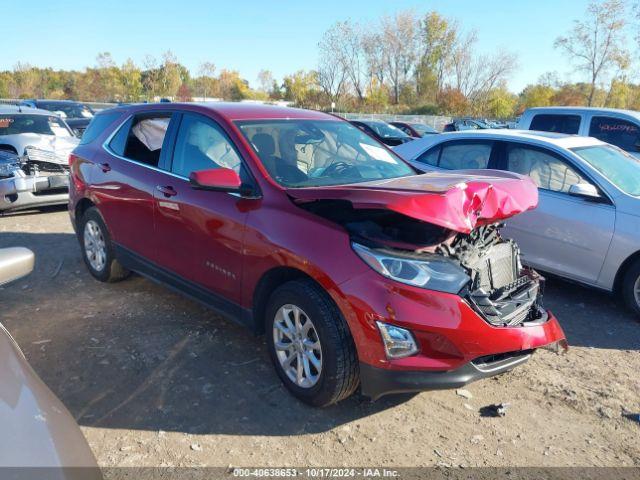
x: 567, y: 235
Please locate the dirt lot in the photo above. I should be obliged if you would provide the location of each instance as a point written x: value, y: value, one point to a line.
x: 155, y: 379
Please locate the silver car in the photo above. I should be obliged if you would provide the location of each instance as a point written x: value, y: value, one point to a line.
x: 587, y: 224
x: 34, y: 158
x: 36, y: 429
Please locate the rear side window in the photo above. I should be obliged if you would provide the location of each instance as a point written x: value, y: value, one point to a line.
x: 141, y: 138
x: 545, y: 169
x: 465, y: 156
x: 569, y: 124
x: 97, y: 125
x: 430, y: 157
x: 615, y: 131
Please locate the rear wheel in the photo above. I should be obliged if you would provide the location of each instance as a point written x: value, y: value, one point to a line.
x: 631, y: 287
x: 97, y: 248
x: 310, y: 344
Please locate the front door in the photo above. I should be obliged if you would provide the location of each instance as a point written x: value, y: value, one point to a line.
x: 566, y: 234
x: 199, y: 233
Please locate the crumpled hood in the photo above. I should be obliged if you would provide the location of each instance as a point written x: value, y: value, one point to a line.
x: 60, y: 146
x: 459, y: 200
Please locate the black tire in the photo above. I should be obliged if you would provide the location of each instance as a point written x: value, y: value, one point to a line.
x: 112, y: 271
x: 629, y: 281
x: 339, y: 377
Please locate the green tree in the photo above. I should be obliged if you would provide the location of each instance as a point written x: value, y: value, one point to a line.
x: 438, y: 37
x: 301, y: 87
x: 131, y: 77
x: 501, y: 103
x: 536, y: 96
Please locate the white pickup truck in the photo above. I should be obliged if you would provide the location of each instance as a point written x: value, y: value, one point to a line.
x: 617, y: 127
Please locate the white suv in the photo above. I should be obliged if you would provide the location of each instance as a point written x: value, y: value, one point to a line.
x: 617, y: 127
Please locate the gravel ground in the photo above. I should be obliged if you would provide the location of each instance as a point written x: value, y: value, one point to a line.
x: 155, y: 379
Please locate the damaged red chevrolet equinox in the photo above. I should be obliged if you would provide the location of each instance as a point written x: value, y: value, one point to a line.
x: 300, y: 226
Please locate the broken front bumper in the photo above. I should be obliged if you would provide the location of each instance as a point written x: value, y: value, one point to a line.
x: 377, y: 382
x: 33, y: 191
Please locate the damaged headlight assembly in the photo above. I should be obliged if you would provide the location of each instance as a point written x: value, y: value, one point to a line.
x: 9, y: 164
x: 432, y: 272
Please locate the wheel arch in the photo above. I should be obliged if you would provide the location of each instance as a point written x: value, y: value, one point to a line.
x: 269, y: 281
x: 82, y: 206
x: 624, y: 267
x: 8, y: 148
x: 279, y: 275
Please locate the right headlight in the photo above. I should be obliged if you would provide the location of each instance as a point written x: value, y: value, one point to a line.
x: 429, y: 271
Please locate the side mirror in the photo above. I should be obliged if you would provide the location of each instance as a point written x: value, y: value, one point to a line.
x: 15, y: 263
x: 216, y: 179
x: 584, y: 190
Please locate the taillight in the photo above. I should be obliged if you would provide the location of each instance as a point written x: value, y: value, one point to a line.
x: 72, y: 159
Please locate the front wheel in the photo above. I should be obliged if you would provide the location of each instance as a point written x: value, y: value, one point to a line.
x: 310, y: 344
x: 631, y: 287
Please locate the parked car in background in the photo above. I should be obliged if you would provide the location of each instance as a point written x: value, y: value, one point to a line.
x: 461, y: 124
x: 298, y: 225
x: 76, y: 114
x: 37, y: 430
x: 382, y: 131
x: 34, y: 150
x: 414, y: 129
x: 586, y: 226
x: 617, y: 127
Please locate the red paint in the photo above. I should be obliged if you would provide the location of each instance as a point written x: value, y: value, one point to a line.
x: 456, y: 201
x: 219, y: 178
x: 226, y: 244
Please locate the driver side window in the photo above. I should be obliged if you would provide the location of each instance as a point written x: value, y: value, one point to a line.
x: 202, y: 145
x: 546, y: 170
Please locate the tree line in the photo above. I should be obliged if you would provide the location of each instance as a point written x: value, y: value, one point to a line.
x: 402, y: 63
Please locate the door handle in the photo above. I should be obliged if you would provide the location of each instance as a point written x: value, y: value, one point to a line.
x: 166, y: 190
x: 105, y: 167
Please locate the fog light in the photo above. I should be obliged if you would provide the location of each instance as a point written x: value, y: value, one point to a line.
x: 398, y: 342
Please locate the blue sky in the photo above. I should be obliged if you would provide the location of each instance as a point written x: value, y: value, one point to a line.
x: 248, y: 35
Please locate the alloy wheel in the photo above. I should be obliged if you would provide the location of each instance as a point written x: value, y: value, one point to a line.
x: 297, y: 346
x: 95, y: 246
x: 636, y: 291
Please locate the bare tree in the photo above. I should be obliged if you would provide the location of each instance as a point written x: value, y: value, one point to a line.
x: 265, y: 81
x: 475, y: 76
x: 207, y: 70
x: 332, y: 71
x: 399, y: 35
x: 342, y: 43
x: 594, y: 43
x: 373, y: 46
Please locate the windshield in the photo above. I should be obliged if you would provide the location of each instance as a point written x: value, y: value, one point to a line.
x: 385, y: 130
x: 617, y: 166
x: 71, y: 110
x: 311, y: 153
x: 40, y: 124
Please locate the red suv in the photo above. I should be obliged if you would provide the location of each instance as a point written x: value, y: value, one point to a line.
x: 298, y: 225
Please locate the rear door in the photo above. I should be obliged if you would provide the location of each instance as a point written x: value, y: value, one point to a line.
x: 125, y: 174
x: 199, y: 233
x: 566, y: 234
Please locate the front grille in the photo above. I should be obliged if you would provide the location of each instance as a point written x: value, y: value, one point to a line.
x: 32, y: 167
